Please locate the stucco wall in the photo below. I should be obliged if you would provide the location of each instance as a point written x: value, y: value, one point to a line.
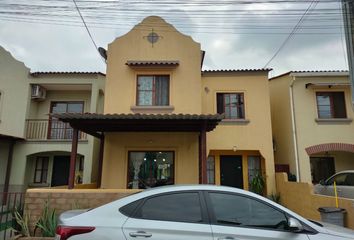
x: 185, y: 83
x: 311, y: 132
x: 253, y: 135
x: 15, y: 96
x: 281, y: 121
x: 299, y: 198
x: 117, y: 145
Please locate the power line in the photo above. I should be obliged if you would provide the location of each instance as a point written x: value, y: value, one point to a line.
x: 296, y: 27
x: 88, y: 31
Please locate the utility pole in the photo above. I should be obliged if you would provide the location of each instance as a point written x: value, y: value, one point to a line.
x: 348, y: 17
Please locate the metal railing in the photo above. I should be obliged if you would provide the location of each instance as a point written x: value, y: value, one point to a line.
x: 9, y: 203
x: 50, y: 129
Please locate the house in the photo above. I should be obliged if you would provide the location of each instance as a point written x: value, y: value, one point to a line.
x: 34, y: 147
x: 312, y: 121
x: 166, y: 121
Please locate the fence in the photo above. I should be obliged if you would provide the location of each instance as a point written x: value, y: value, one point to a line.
x: 299, y: 197
x: 9, y: 203
x: 45, y: 129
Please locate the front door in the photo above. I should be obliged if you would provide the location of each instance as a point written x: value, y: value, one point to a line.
x: 61, y: 168
x: 231, y: 171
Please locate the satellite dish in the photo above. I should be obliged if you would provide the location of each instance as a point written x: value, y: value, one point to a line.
x: 102, y: 52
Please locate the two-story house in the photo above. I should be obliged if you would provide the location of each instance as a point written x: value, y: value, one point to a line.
x: 312, y: 121
x: 40, y: 156
x: 167, y: 122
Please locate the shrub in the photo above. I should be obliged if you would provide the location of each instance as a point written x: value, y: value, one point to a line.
x: 47, y: 222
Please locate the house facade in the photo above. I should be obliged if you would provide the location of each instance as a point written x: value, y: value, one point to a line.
x: 167, y: 122
x: 312, y: 122
x: 35, y: 148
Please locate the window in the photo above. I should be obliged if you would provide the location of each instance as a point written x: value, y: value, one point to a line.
x: 153, y: 90
x: 41, y: 170
x: 150, y: 169
x: 211, y: 170
x: 331, y: 105
x: 58, y: 129
x: 321, y: 168
x: 178, y: 207
x: 231, y: 104
x: 254, y: 168
x: 247, y: 212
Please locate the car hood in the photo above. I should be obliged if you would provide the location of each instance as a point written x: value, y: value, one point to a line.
x: 337, y: 230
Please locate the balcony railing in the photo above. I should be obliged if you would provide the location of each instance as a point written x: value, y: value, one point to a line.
x: 52, y: 129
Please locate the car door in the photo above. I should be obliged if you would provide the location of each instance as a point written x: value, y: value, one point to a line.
x: 178, y: 215
x: 347, y: 189
x: 239, y: 217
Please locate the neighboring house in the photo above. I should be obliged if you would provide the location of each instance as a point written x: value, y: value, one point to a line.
x: 41, y: 158
x: 312, y: 120
x: 167, y: 122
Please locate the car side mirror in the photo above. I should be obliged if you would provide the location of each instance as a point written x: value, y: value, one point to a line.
x: 294, y: 225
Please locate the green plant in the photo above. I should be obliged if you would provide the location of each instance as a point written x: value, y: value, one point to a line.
x: 47, y: 222
x: 258, y: 184
x: 22, y: 219
x: 275, y: 197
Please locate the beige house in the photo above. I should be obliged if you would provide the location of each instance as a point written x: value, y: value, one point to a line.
x: 312, y: 121
x: 167, y: 122
x: 34, y: 148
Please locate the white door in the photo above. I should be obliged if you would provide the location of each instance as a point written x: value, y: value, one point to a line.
x: 239, y: 217
x: 169, y: 216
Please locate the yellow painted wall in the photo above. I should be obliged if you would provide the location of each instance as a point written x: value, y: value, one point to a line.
x: 281, y: 122
x: 299, y: 198
x: 185, y: 83
x: 309, y: 131
x: 254, y: 135
x: 117, y: 145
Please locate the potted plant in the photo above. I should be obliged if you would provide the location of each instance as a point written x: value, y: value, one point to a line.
x: 258, y: 184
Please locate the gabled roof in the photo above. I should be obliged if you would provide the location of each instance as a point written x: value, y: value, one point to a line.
x: 313, y: 73
x: 74, y: 72
x: 237, y: 70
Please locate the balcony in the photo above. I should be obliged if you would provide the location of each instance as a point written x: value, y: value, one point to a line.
x: 50, y: 129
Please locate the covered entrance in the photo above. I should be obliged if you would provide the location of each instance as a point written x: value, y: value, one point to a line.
x: 61, y: 167
x: 98, y: 125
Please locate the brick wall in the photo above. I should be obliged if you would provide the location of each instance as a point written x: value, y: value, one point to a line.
x: 63, y: 199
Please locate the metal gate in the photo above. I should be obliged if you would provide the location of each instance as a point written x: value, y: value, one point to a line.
x: 9, y: 203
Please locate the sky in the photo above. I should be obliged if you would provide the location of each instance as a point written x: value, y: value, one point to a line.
x: 49, y: 35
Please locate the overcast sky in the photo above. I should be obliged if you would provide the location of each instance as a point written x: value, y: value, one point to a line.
x: 48, y: 35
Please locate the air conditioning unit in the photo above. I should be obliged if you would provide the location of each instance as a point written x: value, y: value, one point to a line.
x: 38, y: 92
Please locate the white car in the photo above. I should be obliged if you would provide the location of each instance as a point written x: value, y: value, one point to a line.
x: 194, y: 212
x: 344, y: 182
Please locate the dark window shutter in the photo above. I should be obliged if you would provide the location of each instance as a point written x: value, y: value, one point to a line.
x: 220, y: 103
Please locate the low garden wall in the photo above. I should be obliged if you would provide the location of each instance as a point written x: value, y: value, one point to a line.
x: 299, y: 197
x: 64, y: 199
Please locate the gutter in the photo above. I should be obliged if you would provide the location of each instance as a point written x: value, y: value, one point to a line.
x: 294, y: 130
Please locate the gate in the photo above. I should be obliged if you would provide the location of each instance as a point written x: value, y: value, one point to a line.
x: 9, y: 202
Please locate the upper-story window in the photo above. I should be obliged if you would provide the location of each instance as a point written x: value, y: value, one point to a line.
x: 58, y: 129
x: 153, y: 90
x: 331, y: 105
x: 231, y: 104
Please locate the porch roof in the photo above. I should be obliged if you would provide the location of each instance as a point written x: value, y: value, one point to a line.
x: 8, y: 137
x: 95, y: 124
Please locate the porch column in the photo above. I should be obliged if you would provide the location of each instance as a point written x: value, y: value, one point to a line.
x: 73, y: 158
x: 202, y: 155
x: 8, y: 171
x: 100, y: 162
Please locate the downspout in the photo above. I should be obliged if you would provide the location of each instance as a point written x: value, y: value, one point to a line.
x: 294, y: 133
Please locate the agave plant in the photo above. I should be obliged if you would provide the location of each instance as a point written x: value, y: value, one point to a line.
x: 47, y: 222
x: 22, y: 219
x: 258, y: 184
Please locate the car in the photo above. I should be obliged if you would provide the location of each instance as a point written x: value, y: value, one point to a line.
x: 344, y: 182
x: 195, y: 212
